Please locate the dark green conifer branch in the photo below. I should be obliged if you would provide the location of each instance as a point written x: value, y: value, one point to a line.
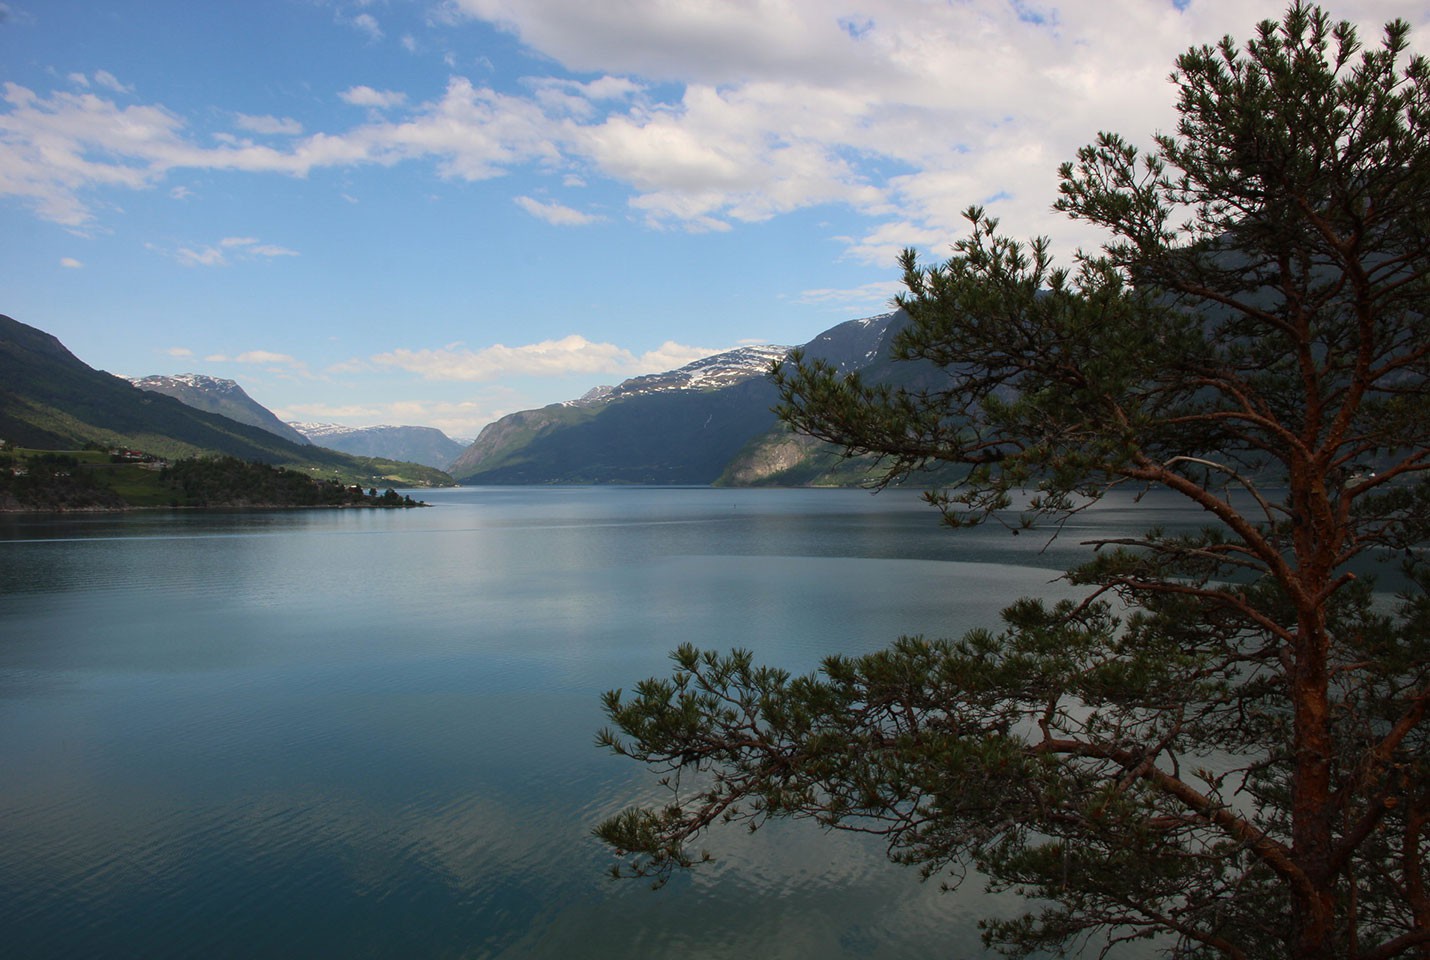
x: 1225, y: 744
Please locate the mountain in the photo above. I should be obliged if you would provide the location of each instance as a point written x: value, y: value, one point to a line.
x: 685, y: 426
x: 418, y: 444
x: 424, y: 445
x: 780, y: 457
x: 50, y: 399
x: 224, y: 397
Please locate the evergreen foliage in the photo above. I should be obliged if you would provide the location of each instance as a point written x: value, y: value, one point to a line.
x: 98, y: 480
x: 52, y: 481
x: 230, y: 482
x: 1223, y: 746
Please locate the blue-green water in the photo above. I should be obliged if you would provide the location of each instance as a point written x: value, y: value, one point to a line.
x: 369, y: 734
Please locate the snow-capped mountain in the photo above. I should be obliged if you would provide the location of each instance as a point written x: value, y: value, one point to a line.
x: 425, y: 445
x: 708, y: 373
x: 318, y: 432
x: 217, y: 395
x: 682, y: 426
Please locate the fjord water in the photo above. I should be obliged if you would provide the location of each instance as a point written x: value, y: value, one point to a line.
x: 369, y: 733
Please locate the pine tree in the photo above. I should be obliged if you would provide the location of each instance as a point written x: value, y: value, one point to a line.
x: 1224, y: 744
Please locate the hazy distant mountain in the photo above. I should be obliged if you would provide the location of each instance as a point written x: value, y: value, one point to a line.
x: 685, y: 426
x: 417, y: 444
x: 50, y: 399
x: 216, y: 395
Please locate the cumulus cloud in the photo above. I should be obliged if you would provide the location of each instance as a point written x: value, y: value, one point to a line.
x: 70, y: 263
x: 785, y: 104
x: 53, y: 148
x: 555, y: 213
x: 573, y: 354
x: 711, y: 115
x: 179, y: 352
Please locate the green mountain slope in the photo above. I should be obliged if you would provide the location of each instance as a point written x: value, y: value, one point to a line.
x: 662, y: 438
x: 51, y: 399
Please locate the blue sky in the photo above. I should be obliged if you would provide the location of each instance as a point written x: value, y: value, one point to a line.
x: 438, y: 212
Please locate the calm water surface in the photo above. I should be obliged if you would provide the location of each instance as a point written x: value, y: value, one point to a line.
x: 369, y: 733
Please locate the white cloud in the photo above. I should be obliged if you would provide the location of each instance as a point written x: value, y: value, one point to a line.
x: 351, y: 365
x: 368, y: 24
x: 710, y: 114
x: 218, y: 254
x: 70, y: 263
x: 202, y: 257
x: 179, y: 352
x: 104, y: 78
x: 368, y: 97
x: 269, y: 126
x: 870, y: 295
x: 569, y: 355
x: 282, y: 365
x: 462, y: 418
x: 785, y: 103
x: 52, y: 149
x: 267, y: 356
x: 670, y: 356
x: 555, y: 213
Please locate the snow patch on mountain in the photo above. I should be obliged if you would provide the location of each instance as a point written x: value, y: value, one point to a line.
x: 708, y: 373
x: 318, y: 431
x: 196, y: 381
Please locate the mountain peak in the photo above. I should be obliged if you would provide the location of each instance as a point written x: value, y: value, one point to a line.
x: 218, y: 395
x: 196, y: 381
x: 708, y: 373
x: 688, y: 425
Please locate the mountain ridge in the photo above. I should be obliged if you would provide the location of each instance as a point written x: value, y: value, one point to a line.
x: 218, y: 395
x: 52, y: 400
x: 425, y: 445
x: 691, y: 425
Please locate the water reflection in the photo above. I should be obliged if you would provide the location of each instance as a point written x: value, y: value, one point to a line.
x: 369, y: 733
